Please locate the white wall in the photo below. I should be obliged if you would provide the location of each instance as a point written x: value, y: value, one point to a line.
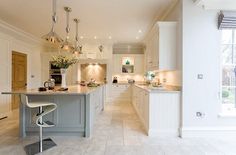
x: 201, y: 55
x: 13, y: 39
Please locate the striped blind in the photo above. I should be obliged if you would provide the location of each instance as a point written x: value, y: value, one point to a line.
x: 227, y: 20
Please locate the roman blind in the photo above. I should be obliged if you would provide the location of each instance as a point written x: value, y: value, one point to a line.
x: 227, y: 20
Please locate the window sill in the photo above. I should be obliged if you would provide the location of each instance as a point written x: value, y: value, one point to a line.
x: 227, y: 115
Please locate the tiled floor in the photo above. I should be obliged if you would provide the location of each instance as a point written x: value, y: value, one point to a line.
x: 117, y: 131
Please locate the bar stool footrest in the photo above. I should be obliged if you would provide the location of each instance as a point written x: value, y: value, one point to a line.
x: 49, y: 123
x: 33, y: 149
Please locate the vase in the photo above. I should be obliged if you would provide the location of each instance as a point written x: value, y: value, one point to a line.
x: 63, y: 77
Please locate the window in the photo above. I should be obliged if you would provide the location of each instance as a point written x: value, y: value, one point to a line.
x: 228, y: 51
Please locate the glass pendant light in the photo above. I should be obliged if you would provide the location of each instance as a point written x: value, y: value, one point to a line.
x: 66, y: 45
x: 52, y: 36
x: 77, y: 47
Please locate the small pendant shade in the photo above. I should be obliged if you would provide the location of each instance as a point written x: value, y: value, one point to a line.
x: 52, y: 36
x: 66, y: 45
x: 77, y: 47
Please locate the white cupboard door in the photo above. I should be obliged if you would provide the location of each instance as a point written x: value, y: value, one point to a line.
x: 139, y: 64
x: 146, y: 110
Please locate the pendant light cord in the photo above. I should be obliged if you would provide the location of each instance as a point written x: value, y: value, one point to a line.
x: 54, y: 14
x: 67, y: 23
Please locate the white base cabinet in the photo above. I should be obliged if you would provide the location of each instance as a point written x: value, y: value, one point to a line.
x: 159, y: 111
x: 120, y: 93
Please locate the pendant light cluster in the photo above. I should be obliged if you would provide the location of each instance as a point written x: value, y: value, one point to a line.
x: 52, y: 36
x: 65, y: 45
x: 77, y: 47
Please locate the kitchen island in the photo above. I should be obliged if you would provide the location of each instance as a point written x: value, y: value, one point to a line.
x: 76, y: 110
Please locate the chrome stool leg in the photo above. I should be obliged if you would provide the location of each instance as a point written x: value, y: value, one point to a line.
x: 41, y: 130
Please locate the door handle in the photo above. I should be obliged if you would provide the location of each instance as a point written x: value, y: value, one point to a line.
x: 25, y: 84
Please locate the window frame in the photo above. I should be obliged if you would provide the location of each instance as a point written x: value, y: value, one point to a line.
x: 225, y: 107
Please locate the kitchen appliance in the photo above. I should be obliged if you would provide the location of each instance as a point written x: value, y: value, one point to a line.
x: 57, y: 78
x: 115, y: 80
x: 131, y: 81
x: 49, y: 84
x: 55, y: 74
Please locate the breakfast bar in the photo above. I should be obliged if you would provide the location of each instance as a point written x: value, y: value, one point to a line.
x: 76, y: 111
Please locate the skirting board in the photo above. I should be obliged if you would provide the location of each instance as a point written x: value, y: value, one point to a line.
x: 208, y: 132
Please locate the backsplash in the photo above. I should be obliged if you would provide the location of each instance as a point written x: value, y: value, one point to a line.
x: 172, y: 78
x: 136, y: 77
x: 169, y: 78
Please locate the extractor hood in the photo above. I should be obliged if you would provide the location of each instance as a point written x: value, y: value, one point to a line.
x: 126, y: 48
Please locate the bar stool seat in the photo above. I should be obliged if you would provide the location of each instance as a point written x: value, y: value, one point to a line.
x: 44, y: 109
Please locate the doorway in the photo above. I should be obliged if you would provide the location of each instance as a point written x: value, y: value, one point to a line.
x: 19, y: 76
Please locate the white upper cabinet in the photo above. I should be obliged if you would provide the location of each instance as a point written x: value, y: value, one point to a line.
x: 161, y: 49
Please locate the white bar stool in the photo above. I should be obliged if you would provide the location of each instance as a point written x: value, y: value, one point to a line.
x: 43, y: 144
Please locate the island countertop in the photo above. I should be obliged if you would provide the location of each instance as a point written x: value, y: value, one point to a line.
x: 72, y: 90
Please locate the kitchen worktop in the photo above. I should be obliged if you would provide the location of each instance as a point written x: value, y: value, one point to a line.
x: 165, y: 89
x: 126, y: 83
x: 72, y: 90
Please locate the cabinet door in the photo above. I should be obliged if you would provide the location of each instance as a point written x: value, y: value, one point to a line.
x: 134, y: 96
x: 155, y: 59
x: 117, y: 67
x: 139, y: 64
x: 121, y: 92
x: 146, y: 109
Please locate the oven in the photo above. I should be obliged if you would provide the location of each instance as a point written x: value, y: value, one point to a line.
x: 57, y: 78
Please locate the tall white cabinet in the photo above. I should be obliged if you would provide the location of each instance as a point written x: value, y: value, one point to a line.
x: 160, y: 51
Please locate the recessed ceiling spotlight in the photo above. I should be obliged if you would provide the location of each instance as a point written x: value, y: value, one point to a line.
x: 95, y: 37
x: 81, y: 37
x: 110, y: 37
x: 137, y: 38
x: 140, y: 31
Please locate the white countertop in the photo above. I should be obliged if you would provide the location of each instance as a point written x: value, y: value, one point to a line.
x: 166, y: 89
x: 72, y: 90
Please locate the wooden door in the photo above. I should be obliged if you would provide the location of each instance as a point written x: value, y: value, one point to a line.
x: 19, y: 76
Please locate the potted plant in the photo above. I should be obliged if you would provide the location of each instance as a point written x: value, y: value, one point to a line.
x: 63, y: 62
x: 149, y: 76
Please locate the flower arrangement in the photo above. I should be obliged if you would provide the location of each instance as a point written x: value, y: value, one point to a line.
x: 150, y: 75
x: 64, y: 62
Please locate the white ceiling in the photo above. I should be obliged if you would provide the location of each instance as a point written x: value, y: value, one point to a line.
x: 121, y: 19
x: 217, y: 4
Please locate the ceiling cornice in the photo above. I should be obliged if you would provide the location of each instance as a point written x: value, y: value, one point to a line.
x: 216, y: 5
x: 160, y: 18
x: 198, y: 2
x: 16, y: 31
x: 169, y: 9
